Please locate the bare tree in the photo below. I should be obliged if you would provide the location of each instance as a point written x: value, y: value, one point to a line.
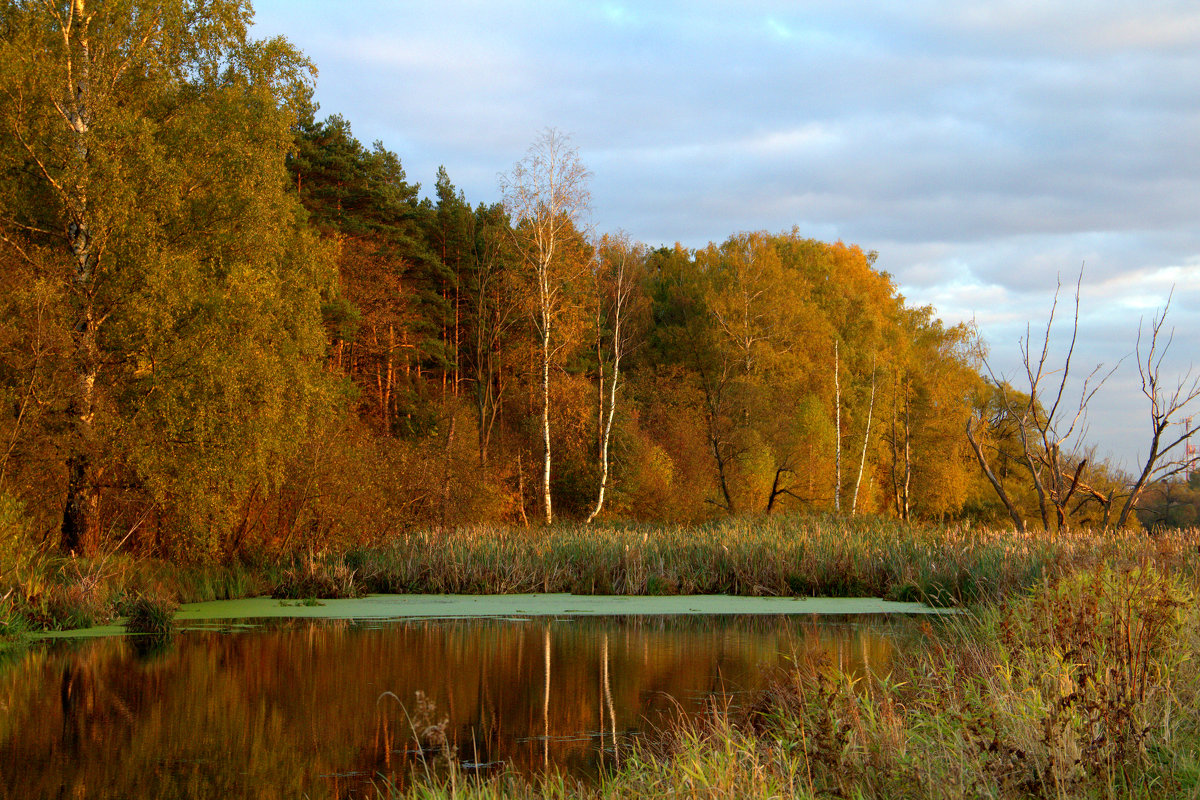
x: 613, y: 268
x: 1049, y: 435
x: 1164, y: 459
x: 546, y: 194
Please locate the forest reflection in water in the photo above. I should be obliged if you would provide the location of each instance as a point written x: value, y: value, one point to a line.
x: 336, y: 708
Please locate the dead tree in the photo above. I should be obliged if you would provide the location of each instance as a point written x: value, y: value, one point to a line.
x: 1164, y: 459
x: 1049, y: 435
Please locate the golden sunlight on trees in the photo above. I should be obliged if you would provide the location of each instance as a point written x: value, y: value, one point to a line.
x: 546, y: 195
x: 142, y: 150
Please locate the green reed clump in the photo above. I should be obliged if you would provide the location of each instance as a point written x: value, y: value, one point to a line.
x: 204, y: 583
x: 151, y: 614
x: 13, y: 624
x: 72, y: 593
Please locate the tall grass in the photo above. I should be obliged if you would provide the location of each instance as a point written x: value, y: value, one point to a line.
x: 775, y: 556
x: 950, y: 565
x: 63, y: 593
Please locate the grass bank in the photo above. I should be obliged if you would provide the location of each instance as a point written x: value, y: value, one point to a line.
x: 773, y: 556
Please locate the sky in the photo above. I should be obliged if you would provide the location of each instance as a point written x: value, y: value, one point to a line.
x: 986, y: 150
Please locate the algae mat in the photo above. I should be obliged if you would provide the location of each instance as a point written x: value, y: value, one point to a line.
x: 464, y: 606
x: 408, y: 606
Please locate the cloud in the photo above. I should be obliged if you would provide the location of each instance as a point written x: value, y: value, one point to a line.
x: 983, y: 147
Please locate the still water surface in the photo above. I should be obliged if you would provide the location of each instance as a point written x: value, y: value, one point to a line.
x: 333, y: 708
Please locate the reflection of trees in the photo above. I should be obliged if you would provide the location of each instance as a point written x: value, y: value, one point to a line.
x: 297, y: 709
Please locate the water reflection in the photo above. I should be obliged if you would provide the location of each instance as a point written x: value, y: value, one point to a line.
x: 331, y: 708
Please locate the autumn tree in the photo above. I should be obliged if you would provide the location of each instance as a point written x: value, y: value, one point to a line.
x: 546, y: 194
x: 932, y: 372
x: 394, y: 284
x: 142, y: 155
x: 753, y: 323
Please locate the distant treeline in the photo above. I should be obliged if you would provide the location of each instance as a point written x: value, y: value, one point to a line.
x: 227, y: 326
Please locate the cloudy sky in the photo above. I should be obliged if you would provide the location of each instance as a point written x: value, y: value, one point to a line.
x: 983, y: 148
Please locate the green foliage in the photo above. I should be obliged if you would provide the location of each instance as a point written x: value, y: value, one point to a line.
x: 751, y: 325
x: 231, y: 330
x: 18, y: 552
x: 200, y: 289
x: 1171, y: 503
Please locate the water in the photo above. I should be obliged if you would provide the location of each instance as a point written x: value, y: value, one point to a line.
x: 342, y: 708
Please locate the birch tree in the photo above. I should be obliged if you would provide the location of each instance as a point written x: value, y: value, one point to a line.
x: 616, y: 259
x: 141, y: 158
x: 862, y: 461
x: 547, y: 197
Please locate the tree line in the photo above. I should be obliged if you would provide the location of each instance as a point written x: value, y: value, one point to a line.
x: 228, y: 325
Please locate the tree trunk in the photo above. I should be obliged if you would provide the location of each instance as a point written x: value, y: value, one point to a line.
x: 546, y: 420
x: 612, y: 409
x: 866, y: 437
x: 907, y: 450
x: 81, y: 521
x: 612, y: 403
x: 837, y: 410
x: 991, y: 476
x: 1144, y: 476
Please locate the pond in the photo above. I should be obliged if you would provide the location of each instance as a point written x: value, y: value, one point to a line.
x: 337, y: 700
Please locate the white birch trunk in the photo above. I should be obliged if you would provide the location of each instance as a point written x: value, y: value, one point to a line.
x: 618, y: 313
x: 866, y: 436
x: 837, y: 404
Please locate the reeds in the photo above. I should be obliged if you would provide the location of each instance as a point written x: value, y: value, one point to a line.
x: 151, y: 615
x: 776, y: 556
x: 787, y: 555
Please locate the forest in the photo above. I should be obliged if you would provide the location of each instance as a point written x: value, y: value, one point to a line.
x: 229, y: 327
